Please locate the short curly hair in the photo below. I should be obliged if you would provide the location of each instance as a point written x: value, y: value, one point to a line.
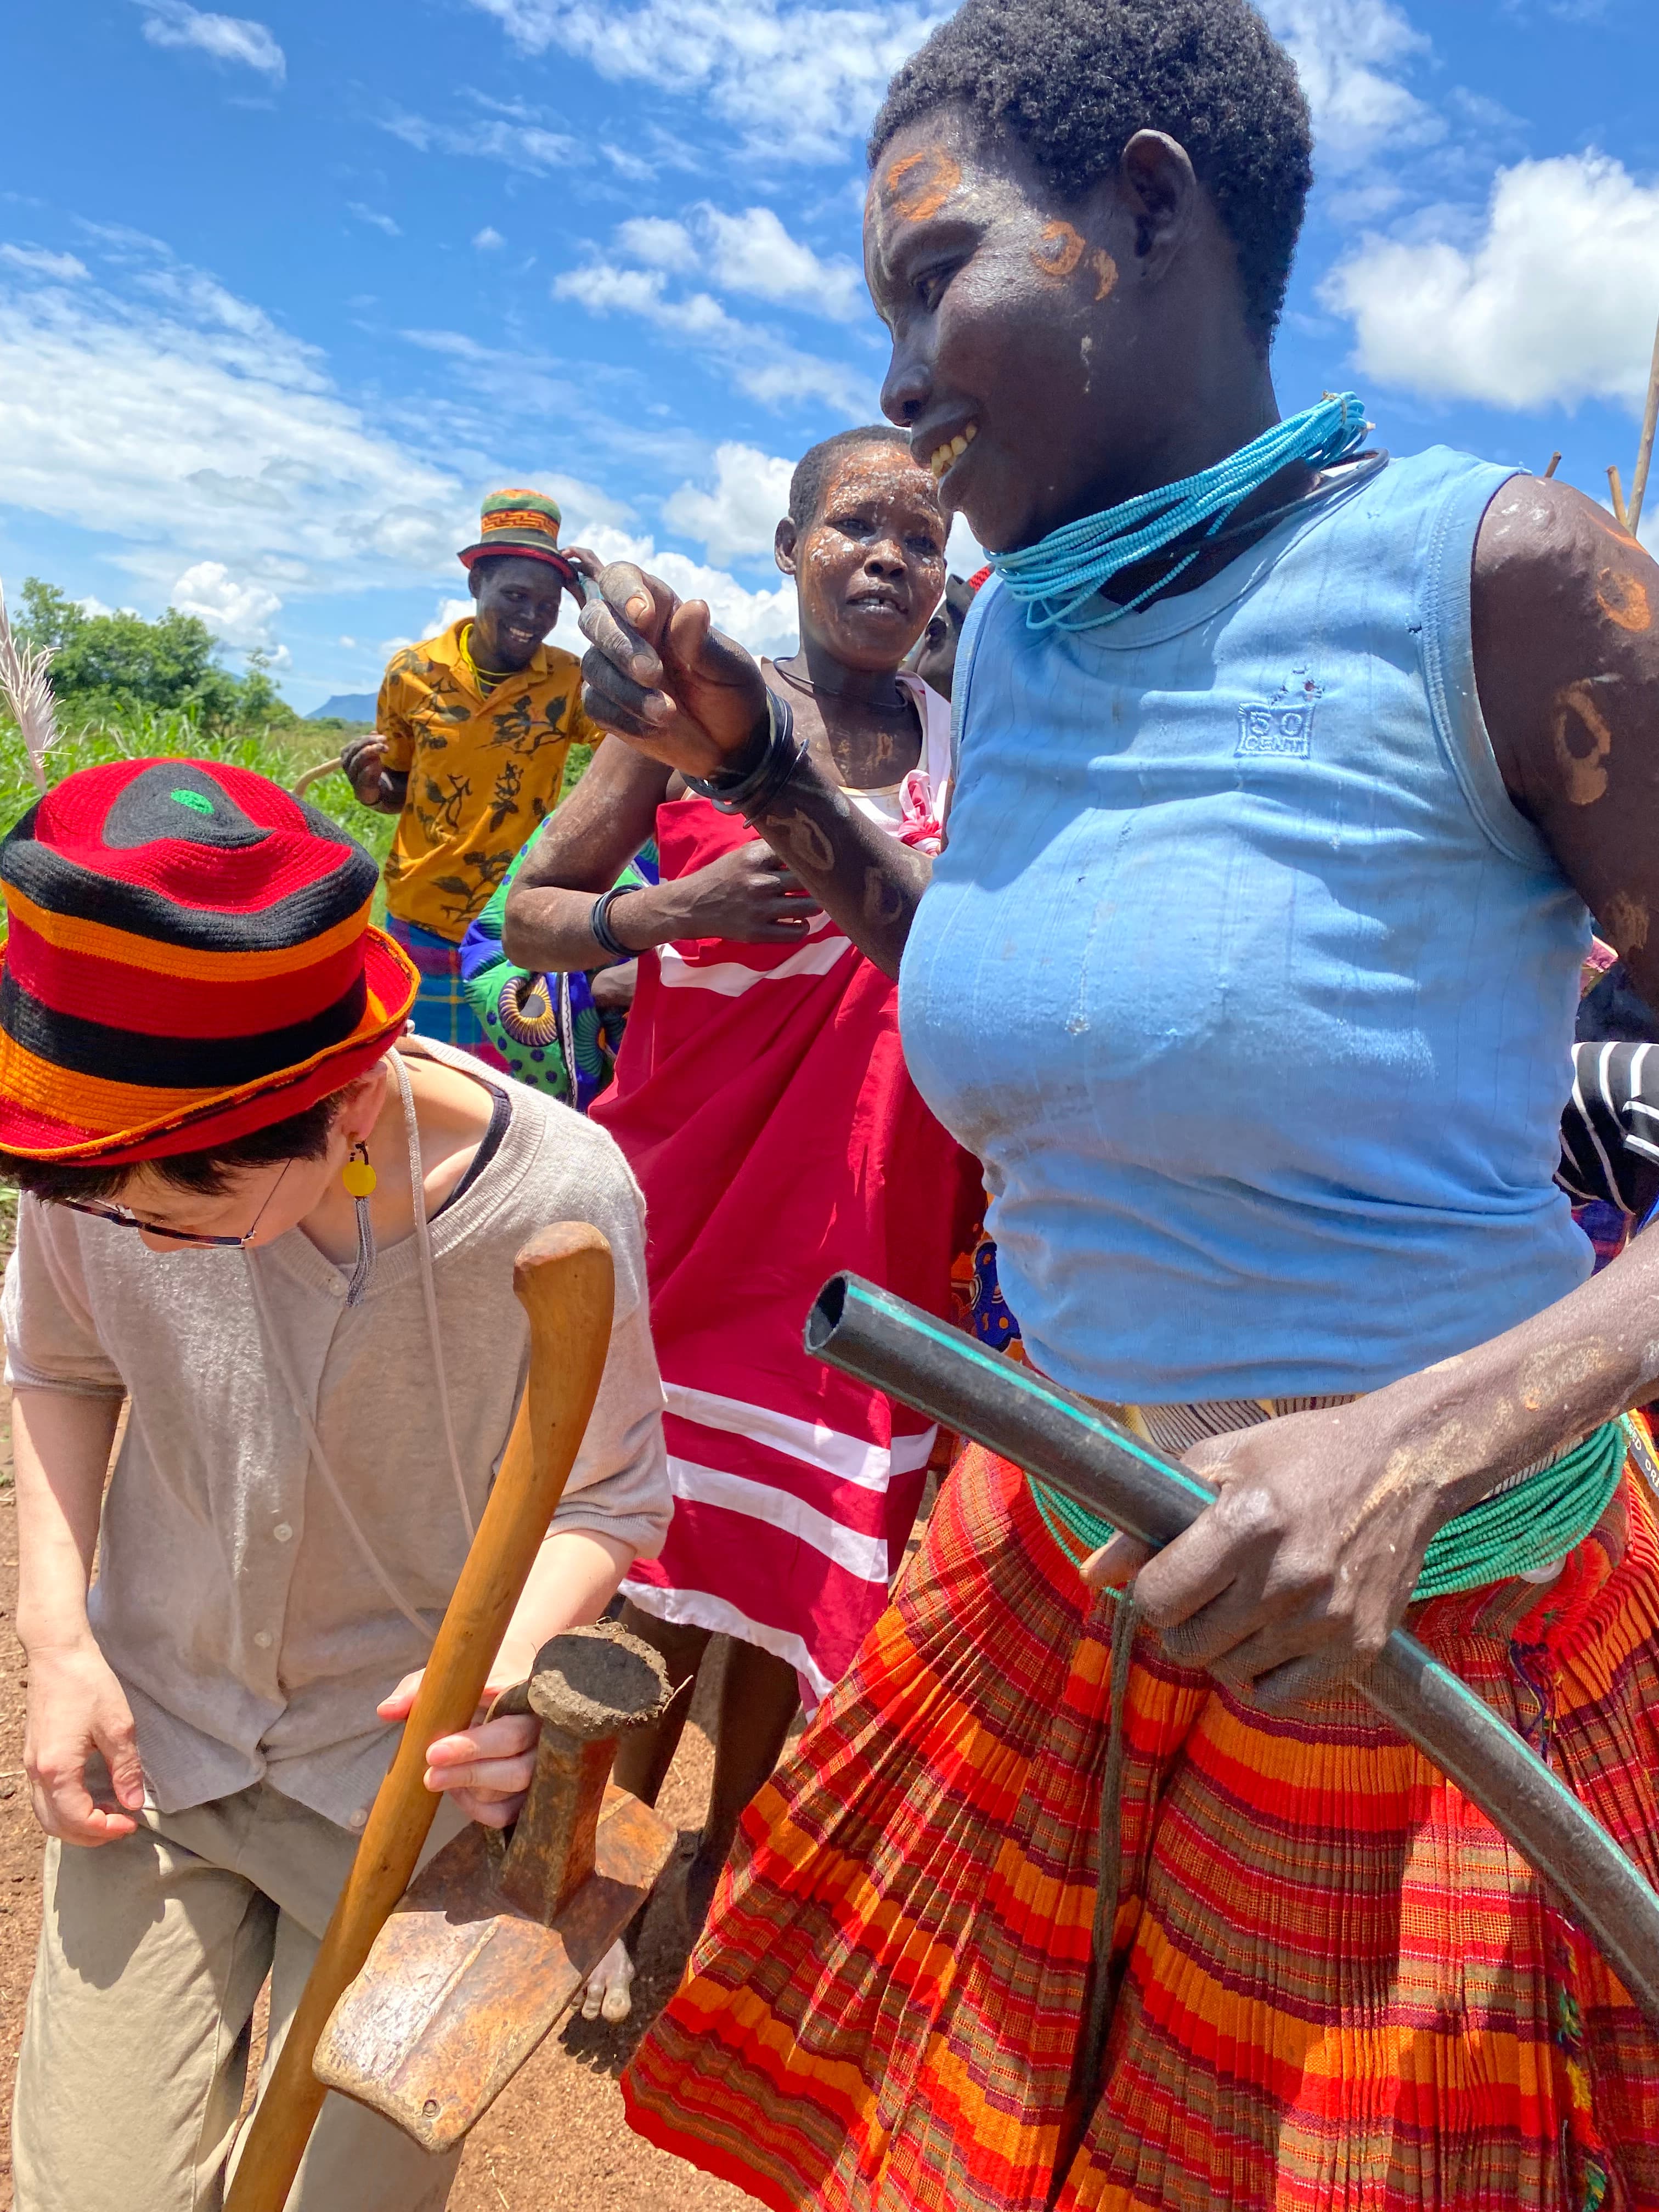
x: 1072, y: 82
x: 812, y: 468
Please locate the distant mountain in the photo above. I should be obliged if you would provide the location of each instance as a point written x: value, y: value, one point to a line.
x: 346, y: 707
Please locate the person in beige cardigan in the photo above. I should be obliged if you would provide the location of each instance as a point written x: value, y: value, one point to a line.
x: 283, y: 1233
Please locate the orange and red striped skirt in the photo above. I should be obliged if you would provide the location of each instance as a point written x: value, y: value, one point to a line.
x: 1341, y: 1988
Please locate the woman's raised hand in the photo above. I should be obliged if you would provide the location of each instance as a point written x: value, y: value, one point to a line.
x: 664, y: 680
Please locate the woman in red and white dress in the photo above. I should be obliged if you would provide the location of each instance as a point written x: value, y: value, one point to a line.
x: 763, y: 1100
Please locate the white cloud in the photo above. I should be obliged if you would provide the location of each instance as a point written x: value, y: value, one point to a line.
x: 657, y: 242
x: 375, y: 219
x: 450, y: 610
x: 1348, y: 54
x: 1553, y: 302
x: 583, y: 507
x: 186, y: 422
x: 202, y: 299
x: 234, y: 609
x: 489, y: 239
x: 964, y: 554
x: 764, y: 621
x: 633, y: 167
x: 796, y: 81
x: 759, y: 363
x: 526, y: 146
x: 753, y: 252
x: 36, y: 261
x: 215, y: 449
x: 736, y: 521
x: 226, y: 38
x: 600, y: 288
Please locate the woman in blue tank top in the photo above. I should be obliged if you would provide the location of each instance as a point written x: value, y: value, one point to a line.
x: 1288, y: 777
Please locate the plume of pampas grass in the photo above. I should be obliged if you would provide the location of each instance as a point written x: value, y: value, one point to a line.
x: 27, y: 688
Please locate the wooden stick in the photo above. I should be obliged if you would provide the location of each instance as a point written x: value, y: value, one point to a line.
x: 303, y: 783
x: 1638, y: 482
x: 563, y: 1279
x: 1555, y: 463
x: 1619, y: 515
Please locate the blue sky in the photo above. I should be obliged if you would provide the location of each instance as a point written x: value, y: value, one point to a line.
x: 281, y: 296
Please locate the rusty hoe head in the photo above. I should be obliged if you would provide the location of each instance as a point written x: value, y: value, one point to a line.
x: 598, y: 1682
x: 499, y: 1932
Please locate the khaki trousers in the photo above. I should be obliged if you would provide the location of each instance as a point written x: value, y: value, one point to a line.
x: 153, y: 1950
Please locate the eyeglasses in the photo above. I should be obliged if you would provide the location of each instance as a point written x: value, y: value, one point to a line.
x: 124, y: 1219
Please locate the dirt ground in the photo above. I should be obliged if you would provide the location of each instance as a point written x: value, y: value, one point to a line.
x: 555, y: 2139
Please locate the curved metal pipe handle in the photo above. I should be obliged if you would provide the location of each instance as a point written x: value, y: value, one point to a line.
x: 1078, y: 1450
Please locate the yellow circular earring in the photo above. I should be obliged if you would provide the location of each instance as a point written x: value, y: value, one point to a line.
x: 359, y: 1178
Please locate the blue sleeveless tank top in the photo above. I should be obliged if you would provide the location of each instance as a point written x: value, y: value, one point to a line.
x: 1243, y: 976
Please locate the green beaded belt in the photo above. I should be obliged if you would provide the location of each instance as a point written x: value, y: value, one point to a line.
x: 1517, y: 1532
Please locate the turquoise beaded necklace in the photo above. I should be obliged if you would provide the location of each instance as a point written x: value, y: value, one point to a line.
x: 1515, y: 1533
x: 1059, y: 579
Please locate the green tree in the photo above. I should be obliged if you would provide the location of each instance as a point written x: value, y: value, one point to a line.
x: 120, y: 660
x: 258, y: 698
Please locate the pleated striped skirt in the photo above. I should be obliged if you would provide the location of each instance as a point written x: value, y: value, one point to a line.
x: 1341, y: 1987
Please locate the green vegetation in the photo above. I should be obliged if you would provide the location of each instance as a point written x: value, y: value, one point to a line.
x: 128, y: 689
x: 575, y: 768
x: 283, y: 753
x: 115, y: 663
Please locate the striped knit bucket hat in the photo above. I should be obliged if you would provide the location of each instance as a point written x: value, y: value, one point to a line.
x: 525, y: 523
x: 188, y: 957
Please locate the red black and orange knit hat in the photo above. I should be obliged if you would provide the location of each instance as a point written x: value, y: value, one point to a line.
x: 525, y: 523
x: 188, y: 957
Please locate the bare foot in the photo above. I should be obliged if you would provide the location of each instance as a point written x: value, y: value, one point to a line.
x: 610, y: 1992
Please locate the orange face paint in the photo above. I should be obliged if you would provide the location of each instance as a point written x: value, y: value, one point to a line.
x: 918, y: 186
x: 1582, y: 773
x: 1105, y: 270
x: 1061, y: 250
x: 1624, y: 600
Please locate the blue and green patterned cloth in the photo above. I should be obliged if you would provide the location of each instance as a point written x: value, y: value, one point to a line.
x: 544, y: 1025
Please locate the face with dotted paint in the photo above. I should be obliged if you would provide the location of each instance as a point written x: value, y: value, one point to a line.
x: 870, y: 565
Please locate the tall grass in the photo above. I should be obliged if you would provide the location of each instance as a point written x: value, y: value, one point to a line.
x: 136, y: 732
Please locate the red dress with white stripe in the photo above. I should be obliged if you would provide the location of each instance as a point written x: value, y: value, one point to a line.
x: 763, y: 1100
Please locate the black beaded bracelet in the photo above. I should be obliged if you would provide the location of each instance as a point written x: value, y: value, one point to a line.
x: 748, y: 793
x: 600, y: 922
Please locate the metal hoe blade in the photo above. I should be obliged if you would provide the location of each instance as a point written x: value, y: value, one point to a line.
x: 494, y: 1938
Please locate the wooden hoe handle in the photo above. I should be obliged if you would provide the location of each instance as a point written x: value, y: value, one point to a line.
x: 564, y: 1281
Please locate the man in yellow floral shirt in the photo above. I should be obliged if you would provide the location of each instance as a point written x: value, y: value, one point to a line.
x: 469, y: 750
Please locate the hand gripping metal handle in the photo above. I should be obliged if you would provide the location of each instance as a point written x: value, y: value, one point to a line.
x: 1074, y: 1447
